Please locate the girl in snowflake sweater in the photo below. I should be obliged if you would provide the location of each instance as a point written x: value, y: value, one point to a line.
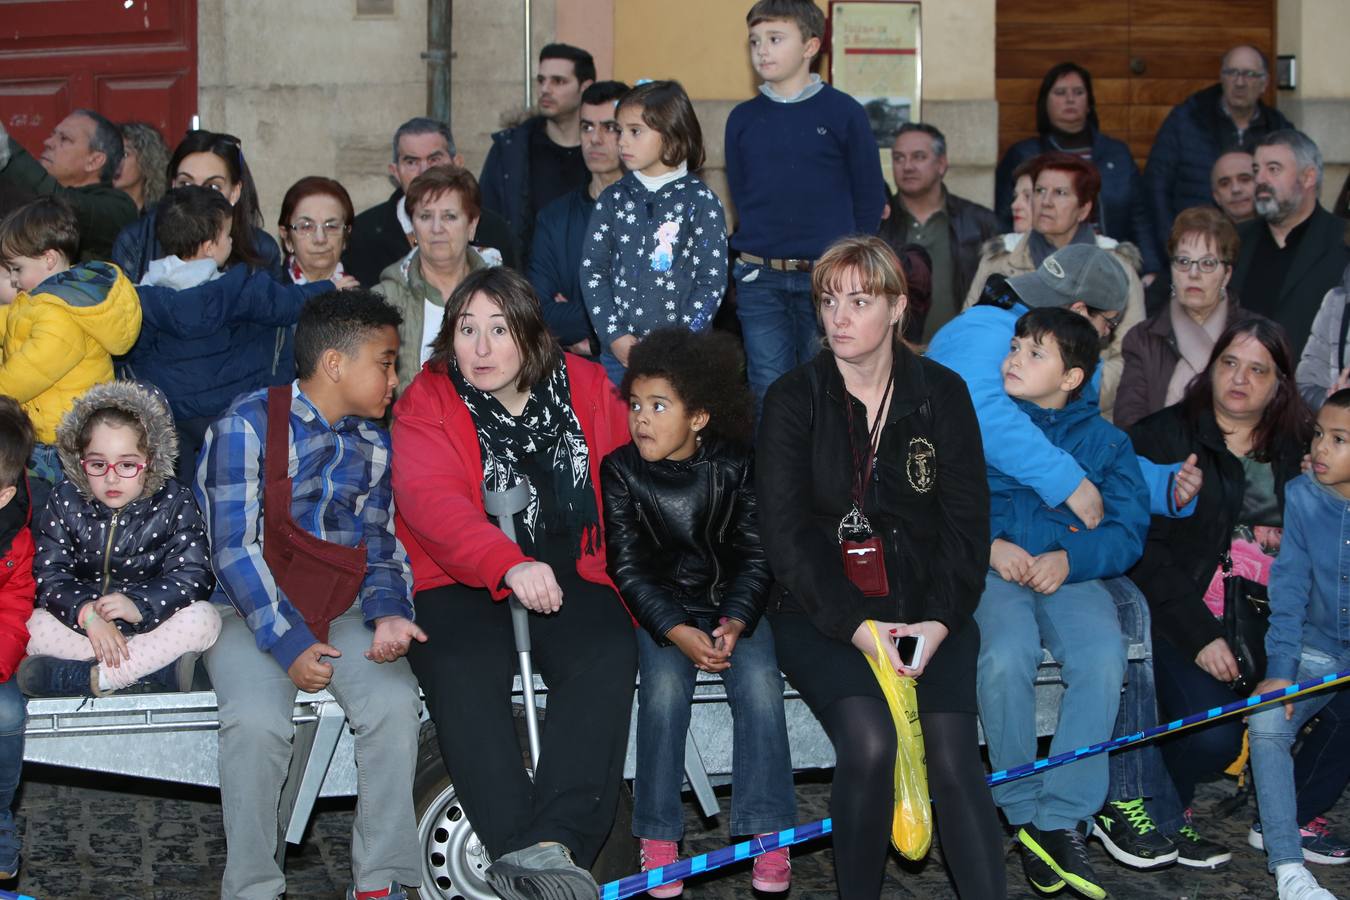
x: 657, y: 252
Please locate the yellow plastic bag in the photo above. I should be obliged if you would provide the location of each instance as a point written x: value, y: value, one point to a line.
x: 912, y: 824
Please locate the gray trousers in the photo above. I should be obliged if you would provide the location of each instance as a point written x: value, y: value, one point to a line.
x: 256, y: 698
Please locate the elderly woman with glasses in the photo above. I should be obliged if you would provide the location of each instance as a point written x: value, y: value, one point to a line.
x: 316, y: 218
x: 1165, y: 352
x: 1065, y: 191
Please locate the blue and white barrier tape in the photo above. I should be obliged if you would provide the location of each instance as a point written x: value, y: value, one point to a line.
x: 632, y: 885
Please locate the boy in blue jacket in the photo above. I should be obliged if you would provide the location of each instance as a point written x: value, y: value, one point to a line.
x: 1044, y: 588
x: 1308, y: 637
x: 208, y: 336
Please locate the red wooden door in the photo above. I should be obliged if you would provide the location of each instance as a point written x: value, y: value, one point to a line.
x: 127, y: 59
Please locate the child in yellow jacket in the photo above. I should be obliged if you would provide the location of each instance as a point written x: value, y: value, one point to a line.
x: 58, y: 337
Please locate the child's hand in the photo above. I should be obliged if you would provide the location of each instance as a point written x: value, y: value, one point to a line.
x: 696, y: 645
x: 1010, y: 561
x: 1186, y: 483
x: 309, y: 672
x: 393, y: 635
x: 1275, y: 684
x: 1217, y: 659
x: 1086, y: 503
x: 110, y: 648
x: 621, y: 347
x: 1048, y: 572
x: 727, y: 633
x: 117, y: 606
x: 345, y: 282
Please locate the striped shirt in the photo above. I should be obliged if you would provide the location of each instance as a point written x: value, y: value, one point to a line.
x: 340, y: 489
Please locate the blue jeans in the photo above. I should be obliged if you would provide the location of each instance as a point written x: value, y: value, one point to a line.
x: 13, y: 715
x: 1139, y: 770
x: 778, y: 322
x: 1272, y: 740
x: 762, y: 798
x: 613, y: 368
x: 1078, y: 625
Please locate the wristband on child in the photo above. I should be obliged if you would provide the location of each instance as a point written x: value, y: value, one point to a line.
x: 84, y: 619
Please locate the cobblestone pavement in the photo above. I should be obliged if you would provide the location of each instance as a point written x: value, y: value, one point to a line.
x: 90, y: 836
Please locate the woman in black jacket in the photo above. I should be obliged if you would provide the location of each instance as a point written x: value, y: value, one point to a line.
x: 1243, y: 419
x: 927, y: 500
x: 682, y: 535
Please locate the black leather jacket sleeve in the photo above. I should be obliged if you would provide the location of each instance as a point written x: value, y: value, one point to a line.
x: 654, y: 606
x: 748, y: 593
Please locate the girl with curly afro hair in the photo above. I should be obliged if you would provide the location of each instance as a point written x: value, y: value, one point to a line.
x: 682, y: 537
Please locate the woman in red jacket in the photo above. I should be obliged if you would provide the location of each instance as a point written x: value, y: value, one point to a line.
x: 496, y: 402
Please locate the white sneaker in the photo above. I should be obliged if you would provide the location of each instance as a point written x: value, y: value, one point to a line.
x: 1295, y: 882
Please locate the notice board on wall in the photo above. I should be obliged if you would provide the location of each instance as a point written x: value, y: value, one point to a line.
x: 874, y: 57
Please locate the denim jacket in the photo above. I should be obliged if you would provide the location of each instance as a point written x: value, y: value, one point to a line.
x: 1309, y: 588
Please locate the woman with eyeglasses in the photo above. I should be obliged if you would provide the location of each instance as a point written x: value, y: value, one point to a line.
x: 316, y: 219
x: 1065, y: 191
x: 444, y: 204
x: 215, y: 161
x: 1165, y: 352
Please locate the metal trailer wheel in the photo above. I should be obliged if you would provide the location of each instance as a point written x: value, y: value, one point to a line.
x: 453, y: 859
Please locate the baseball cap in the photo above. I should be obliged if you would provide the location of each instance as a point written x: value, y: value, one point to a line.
x: 1076, y: 272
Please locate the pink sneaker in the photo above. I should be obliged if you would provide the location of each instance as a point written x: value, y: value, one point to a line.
x: 772, y: 872
x: 656, y: 854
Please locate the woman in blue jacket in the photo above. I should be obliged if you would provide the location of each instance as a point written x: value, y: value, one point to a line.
x: 1066, y: 121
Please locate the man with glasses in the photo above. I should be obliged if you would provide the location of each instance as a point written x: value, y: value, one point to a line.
x: 1295, y: 251
x: 1222, y: 117
x: 560, y: 228
x: 78, y: 163
x: 383, y: 234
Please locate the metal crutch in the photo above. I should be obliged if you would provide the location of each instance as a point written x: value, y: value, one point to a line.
x: 503, y: 506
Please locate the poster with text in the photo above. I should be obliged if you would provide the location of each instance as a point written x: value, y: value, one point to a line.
x: 874, y: 57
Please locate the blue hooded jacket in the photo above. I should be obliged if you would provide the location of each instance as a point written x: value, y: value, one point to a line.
x: 1018, y: 515
x: 205, y: 345
x: 973, y: 345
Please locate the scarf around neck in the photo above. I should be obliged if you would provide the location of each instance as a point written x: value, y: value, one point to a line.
x: 548, y: 425
x: 1194, y: 343
x: 1041, y: 247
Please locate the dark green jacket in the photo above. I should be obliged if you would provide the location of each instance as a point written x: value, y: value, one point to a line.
x: 102, y: 209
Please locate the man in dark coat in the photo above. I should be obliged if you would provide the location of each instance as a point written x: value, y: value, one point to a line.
x: 952, y: 229
x: 540, y: 159
x: 1198, y: 130
x: 560, y: 230
x: 78, y: 164
x: 1295, y: 251
x: 383, y: 233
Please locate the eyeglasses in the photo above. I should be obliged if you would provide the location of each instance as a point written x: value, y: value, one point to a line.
x: 309, y: 228
x: 97, y: 468
x: 1111, y: 320
x: 1248, y: 74
x: 1206, y: 264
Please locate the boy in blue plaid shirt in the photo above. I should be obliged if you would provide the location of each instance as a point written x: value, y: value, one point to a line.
x: 338, y: 469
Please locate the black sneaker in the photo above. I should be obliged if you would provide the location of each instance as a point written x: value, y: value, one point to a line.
x: 1040, y: 875
x: 1129, y: 835
x: 1064, y: 850
x: 1197, y: 852
x: 47, y: 676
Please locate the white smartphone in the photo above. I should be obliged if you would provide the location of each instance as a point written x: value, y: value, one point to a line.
x: 910, y: 648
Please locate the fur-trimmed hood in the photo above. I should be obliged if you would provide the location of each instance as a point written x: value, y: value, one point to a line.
x: 147, y: 405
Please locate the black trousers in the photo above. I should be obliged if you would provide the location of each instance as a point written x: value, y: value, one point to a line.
x: 587, y: 655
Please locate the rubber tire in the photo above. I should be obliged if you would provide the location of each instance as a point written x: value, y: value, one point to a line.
x: 617, y: 858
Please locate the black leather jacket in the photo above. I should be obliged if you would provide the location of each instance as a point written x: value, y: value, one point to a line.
x: 683, y: 537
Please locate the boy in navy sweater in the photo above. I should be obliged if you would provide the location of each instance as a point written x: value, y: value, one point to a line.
x: 1044, y: 589
x: 803, y: 169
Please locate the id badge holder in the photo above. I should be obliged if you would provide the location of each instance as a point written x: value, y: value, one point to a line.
x: 864, y: 559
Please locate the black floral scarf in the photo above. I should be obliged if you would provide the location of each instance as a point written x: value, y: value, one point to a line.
x: 548, y: 425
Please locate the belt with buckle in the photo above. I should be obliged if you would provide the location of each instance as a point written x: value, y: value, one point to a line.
x: 782, y: 265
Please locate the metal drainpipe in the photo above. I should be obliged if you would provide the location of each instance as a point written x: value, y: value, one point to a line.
x: 438, y: 57
x: 529, y: 58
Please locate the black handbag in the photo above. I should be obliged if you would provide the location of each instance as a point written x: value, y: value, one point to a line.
x: 1246, y: 614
